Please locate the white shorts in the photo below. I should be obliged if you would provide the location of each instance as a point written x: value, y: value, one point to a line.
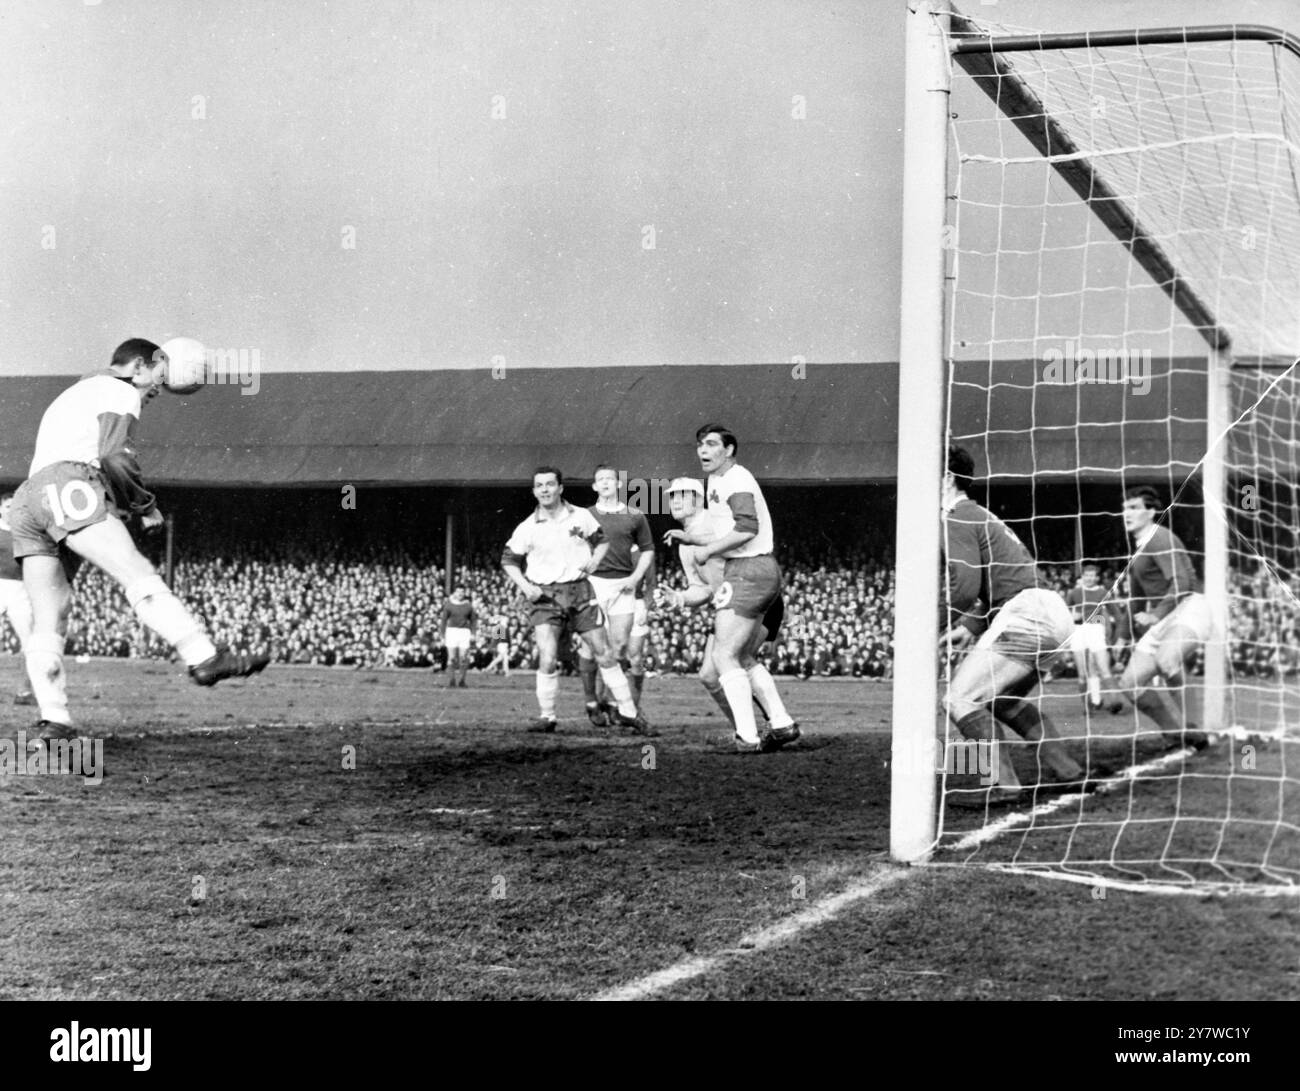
x: 457, y: 640
x: 612, y: 603
x: 640, y: 619
x: 503, y: 650
x: 1033, y: 627
x: 1090, y: 637
x: 1191, y: 613
x: 15, y: 605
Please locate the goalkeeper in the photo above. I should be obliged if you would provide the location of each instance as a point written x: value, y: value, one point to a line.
x: 993, y: 586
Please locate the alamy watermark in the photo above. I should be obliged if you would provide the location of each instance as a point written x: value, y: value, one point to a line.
x: 82, y: 757
x: 1074, y: 364
x: 234, y: 367
x: 960, y: 757
x: 647, y: 495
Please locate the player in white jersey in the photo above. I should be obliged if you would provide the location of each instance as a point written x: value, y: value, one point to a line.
x: 751, y: 577
x: 84, y: 482
x: 14, y: 603
x: 704, y: 582
x: 549, y: 557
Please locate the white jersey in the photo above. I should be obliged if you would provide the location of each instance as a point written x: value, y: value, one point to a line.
x: 735, y: 482
x: 556, y: 550
x: 70, y: 429
x: 706, y: 526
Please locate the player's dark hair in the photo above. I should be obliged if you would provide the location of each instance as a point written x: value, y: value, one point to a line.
x: 1090, y: 564
x: 962, y: 467
x: 559, y: 477
x: 1149, y: 497
x: 129, y: 350
x: 603, y: 466
x: 723, y: 433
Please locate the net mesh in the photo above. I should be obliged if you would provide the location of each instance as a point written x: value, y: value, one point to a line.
x: 1117, y: 214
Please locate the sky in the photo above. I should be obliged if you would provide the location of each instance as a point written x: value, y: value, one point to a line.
x: 390, y: 184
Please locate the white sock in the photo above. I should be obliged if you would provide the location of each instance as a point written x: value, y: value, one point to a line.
x: 548, y: 685
x: 761, y: 682
x: 1094, y: 689
x: 44, y: 660
x: 735, y: 684
x: 616, y: 683
x: 161, y: 611
x: 715, y: 691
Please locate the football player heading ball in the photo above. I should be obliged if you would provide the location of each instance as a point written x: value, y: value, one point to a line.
x: 83, y: 484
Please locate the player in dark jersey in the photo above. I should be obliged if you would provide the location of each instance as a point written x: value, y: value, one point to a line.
x: 615, y: 582
x: 994, y: 590
x: 14, y: 603
x: 457, y: 623
x: 1094, y: 632
x: 1170, y: 618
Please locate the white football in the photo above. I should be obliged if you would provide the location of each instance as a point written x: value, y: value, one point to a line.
x: 186, y: 369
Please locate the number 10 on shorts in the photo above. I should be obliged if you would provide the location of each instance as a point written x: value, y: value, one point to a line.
x: 77, y: 499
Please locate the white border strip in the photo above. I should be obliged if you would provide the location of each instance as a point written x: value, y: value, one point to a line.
x: 815, y: 915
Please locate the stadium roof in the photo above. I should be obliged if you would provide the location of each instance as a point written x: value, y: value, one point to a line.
x: 838, y: 424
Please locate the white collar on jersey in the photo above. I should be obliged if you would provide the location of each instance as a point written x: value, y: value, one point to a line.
x: 618, y: 509
x: 1143, y: 536
x: 566, y: 509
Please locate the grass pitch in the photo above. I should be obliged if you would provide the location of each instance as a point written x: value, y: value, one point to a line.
x: 317, y: 834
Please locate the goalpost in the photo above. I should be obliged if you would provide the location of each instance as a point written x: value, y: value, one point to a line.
x: 1081, y: 211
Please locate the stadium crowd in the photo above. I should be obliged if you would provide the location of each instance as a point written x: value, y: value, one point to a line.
x: 379, y: 605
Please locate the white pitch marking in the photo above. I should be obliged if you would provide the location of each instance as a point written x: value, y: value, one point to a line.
x: 782, y: 932
x: 1104, y: 785
x: 827, y: 908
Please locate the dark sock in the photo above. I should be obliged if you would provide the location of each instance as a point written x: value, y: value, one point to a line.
x: 1150, y: 703
x: 587, y: 669
x: 1031, y: 725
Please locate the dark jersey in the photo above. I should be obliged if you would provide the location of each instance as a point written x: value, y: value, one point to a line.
x: 987, y: 563
x: 623, y: 529
x: 9, y: 568
x: 1084, y: 603
x: 1161, y: 574
x: 458, y: 615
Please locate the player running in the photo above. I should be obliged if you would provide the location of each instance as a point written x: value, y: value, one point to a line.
x: 1094, y: 625
x: 751, y: 581
x: 83, y: 484
x: 499, y: 631
x: 615, y: 581
x: 1173, y: 619
x: 549, y: 558
x: 14, y: 604
x: 993, y: 581
x: 458, y: 621
x: 703, y: 583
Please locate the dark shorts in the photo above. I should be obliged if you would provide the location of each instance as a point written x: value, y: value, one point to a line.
x: 572, y: 603
x: 53, y: 503
x: 750, y: 585
x: 774, y: 616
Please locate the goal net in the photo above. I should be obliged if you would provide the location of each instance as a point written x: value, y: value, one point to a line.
x: 1122, y: 245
